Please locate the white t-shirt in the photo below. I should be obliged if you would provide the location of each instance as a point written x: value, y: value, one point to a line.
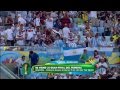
x: 93, y: 14
x: 21, y: 20
x: 30, y: 33
x: 9, y: 33
x: 37, y: 21
x: 66, y: 32
x: 20, y: 62
x: 49, y: 23
x: 103, y: 64
x: 102, y: 70
x: 22, y: 35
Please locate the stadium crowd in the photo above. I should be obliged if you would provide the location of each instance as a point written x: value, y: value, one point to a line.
x: 61, y: 29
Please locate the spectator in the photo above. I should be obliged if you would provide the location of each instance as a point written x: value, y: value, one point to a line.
x: 88, y: 40
x: 111, y: 43
x: 102, y: 66
x: 84, y: 57
x: 58, y: 24
x: 88, y: 29
x: 49, y: 22
x: 66, y: 32
x: 9, y: 20
x: 95, y: 41
x: 84, y: 16
x: 19, y: 62
x: 30, y: 34
x: 15, y: 29
x: 118, y: 43
x: 48, y: 42
x: 71, y: 40
x: 42, y: 20
x: 103, y: 42
x: 21, y: 20
x: 103, y: 55
x: 115, y: 36
x: 58, y: 42
x: 96, y: 55
x: 80, y: 43
x: 107, y: 27
x: 9, y: 35
x: 65, y: 21
x: 20, y: 36
x: 34, y: 58
x: 80, y: 23
x: 37, y: 20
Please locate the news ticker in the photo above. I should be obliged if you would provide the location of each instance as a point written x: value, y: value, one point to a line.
x: 58, y: 68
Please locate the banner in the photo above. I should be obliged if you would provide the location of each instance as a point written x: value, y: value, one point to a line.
x: 63, y: 68
x: 59, y: 55
x: 74, y: 53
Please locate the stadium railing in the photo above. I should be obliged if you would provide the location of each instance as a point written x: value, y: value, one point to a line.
x: 8, y: 74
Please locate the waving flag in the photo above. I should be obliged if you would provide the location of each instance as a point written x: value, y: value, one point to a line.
x: 75, y: 53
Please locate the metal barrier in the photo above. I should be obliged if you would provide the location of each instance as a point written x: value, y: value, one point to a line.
x: 8, y: 73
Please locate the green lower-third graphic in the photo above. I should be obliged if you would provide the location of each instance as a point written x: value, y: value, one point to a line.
x: 26, y: 69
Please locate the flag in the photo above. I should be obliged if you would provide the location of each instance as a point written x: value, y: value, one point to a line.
x: 72, y: 53
x: 75, y: 53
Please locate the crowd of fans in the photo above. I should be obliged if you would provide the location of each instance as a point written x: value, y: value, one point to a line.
x: 61, y: 29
